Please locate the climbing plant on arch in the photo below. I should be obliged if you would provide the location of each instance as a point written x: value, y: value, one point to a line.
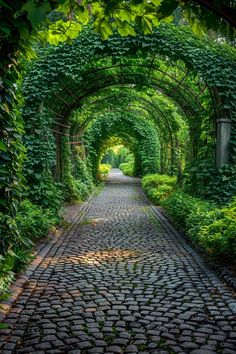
x: 140, y: 135
x: 146, y: 103
x: 198, y: 76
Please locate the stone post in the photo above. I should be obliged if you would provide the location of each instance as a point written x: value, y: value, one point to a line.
x: 222, y: 141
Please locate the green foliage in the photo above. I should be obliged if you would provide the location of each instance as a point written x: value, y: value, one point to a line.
x: 6, y: 273
x: 45, y: 192
x: 62, y: 69
x: 139, y: 135
x: 212, y: 228
x: 103, y: 170
x: 218, y: 233
x: 158, y: 187
x: 157, y: 180
x: 10, y: 248
x: 116, y: 155
x: 128, y: 168
x: 207, y: 63
x: 160, y: 193
x: 180, y: 205
x: 83, y: 178
x: 82, y: 191
x: 206, y: 181
x: 33, y: 221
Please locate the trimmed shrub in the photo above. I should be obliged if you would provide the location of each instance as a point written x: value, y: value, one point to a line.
x: 210, y: 227
x: 33, y: 223
x: 104, y: 169
x: 127, y: 168
x: 158, y: 187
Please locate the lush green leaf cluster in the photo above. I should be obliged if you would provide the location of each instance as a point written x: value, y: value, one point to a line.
x: 198, y: 75
x: 204, y: 180
x: 103, y: 170
x: 32, y: 223
x: 139, y: 135
x: 207, y: 64
x: 117, y: 154
x: 127, y: 168
x: 212, y: 228
x: 158, y: 187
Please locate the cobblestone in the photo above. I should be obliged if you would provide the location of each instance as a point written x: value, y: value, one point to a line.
x: 122, y: 281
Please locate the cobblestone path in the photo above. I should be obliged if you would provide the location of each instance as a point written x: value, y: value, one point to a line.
x: 122, y: 281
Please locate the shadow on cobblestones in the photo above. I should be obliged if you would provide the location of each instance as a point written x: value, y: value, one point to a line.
x: 121, y: 282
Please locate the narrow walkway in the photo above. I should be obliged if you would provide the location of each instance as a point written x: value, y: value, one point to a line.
x: 121, y: 281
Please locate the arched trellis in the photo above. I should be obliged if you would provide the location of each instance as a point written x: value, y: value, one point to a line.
x: 82, y: 59
x: 171, y: 61
x: 145, y: 142
x: 163, y: 115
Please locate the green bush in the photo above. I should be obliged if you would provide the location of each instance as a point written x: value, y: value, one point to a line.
x: 218, y: 235
x: 158, y: 187
x: 33, y: 223
x: 6, y: 273
x: 83, y: 175
x: 210, y: 227
x: 104, y: 169
x: 179, y: 205
x: 77, y: 189
x: 205, y: 181
x: 127, y: 168
x: 83, y: 190
x: 155, y: 180
x: 46, y: 193
x: 158, y: 194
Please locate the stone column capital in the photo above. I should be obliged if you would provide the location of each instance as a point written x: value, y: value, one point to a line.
x: 223, y: 120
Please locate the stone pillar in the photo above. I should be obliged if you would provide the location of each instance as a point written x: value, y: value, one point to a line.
x: 222, y: 141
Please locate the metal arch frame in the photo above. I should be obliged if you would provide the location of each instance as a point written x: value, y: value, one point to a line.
x: 109, y: 83
x: 145, y: 108
x: 150, y: 68
x: 139, y: 110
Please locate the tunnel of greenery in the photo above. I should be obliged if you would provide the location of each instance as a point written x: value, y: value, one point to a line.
x: 116, y: 152
x: 169, y: 97
x: 170, y: 79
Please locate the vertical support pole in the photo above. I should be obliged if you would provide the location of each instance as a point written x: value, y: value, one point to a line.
x: 222, y: 141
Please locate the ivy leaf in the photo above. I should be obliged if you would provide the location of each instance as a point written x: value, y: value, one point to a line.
x: 36, y: 13
x: 83, y: 14
x: 6, y: 107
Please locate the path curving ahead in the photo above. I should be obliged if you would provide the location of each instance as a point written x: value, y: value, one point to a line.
x: 121, y: 281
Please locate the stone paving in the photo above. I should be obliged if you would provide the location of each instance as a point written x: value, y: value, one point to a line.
x: 122, y: 281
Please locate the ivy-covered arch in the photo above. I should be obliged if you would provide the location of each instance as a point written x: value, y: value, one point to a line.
x: 138, y: 133
x: 171, y: 61
x: 171, y: 128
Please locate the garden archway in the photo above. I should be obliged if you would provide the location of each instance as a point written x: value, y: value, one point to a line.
x: 172, y: 62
